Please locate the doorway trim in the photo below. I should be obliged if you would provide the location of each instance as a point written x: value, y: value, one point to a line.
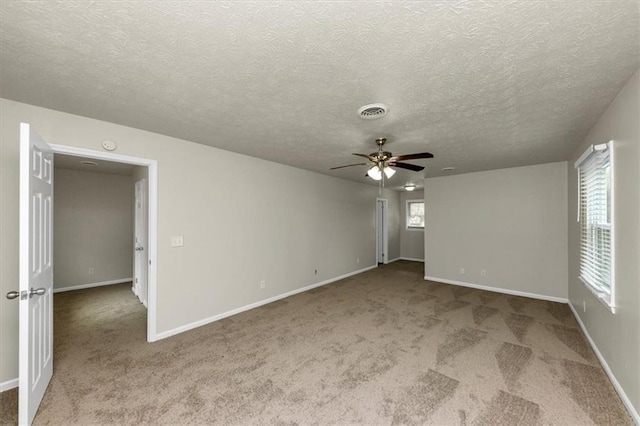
x: 382, y: 224
x: 152, y: 232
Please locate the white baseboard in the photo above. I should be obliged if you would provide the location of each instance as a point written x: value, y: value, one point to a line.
x: 8, y: 385
x: 392, y: 260
x: 500, y: 290
x: 250, y: 306
x: 91, y: 285
x: 625, y: 399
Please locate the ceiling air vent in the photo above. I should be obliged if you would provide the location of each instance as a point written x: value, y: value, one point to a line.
x: 373, y: 111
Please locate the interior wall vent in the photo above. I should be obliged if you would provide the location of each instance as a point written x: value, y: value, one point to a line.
x: 373, y: 111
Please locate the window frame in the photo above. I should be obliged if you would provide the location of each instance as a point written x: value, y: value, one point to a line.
x: 605, y: 295
x: 408, y: 210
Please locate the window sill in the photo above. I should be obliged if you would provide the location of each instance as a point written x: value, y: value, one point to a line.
x: 602, y: 297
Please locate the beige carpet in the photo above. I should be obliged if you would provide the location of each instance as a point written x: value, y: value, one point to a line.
x: 383, y: 347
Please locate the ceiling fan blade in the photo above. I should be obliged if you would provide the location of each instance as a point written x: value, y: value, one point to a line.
x: 368, y: 157
x: 413, y: 156
x: 348, y: 165
x: 412, y: 167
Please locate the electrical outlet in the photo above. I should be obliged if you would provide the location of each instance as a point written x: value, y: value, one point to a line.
x: 262, y: 284
x: 357, y: 261
x: 462, y: 270
x: 92, y: 271
x: 177, y: 241
x: 483, y: 273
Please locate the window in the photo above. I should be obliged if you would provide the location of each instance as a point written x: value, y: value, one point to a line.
x: 415, y: 214
x: 596, y: 225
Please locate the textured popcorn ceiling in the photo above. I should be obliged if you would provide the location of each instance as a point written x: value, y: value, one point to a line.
x: 480, y: 84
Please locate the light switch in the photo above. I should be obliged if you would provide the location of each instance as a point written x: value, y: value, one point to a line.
x: 177, y: 241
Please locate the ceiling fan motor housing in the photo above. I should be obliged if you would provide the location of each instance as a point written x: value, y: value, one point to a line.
x: 381, y: 155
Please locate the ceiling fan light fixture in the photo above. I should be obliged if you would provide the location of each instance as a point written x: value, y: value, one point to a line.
x: 388, y: 172
x: 409, y: 187
x: 375, y: 173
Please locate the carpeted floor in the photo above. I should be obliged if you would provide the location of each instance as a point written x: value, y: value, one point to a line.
x: 382, y: 347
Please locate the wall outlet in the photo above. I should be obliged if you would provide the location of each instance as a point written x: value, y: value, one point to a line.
x: 483, y: 273
x: 462, y: 270
x: 357, y: 261
x: 177, y: 241
x: 92, y: 271
x: 262, y: 284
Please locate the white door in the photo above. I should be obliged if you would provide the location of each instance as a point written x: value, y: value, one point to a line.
x: 36, y: 272
x: 381, y: 231
x: 140, y: 260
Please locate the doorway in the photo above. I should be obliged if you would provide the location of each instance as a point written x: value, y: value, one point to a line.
x: 36, y: 199
x: 150, y: 217
x: 382, y: 231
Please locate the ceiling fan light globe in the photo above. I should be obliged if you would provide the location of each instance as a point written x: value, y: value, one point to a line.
x: 388, y: 172
x: 375, y: 173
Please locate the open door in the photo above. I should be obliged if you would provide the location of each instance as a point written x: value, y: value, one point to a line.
x: 140, y: 259
x: 36, y: 272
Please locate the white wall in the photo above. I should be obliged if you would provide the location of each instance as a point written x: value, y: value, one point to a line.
x: 243, y: 220
x: 411, y: 240
x: 616, y: 336
x: 93, y: 227
x: 511, y: 223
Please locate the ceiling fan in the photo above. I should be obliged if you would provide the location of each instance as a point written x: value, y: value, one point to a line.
x: 382, y: 161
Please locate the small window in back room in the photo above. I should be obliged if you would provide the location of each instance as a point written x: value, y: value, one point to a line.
x: 415, y: 214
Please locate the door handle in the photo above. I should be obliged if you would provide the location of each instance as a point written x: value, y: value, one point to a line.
x: 13, y: 295
x: 139, y: 248
x: 39, y: 292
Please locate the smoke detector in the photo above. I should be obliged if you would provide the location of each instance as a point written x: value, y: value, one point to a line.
x: 373, y: 111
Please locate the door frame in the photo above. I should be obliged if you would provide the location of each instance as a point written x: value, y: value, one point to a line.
x: 152, y: 218
x: 384, y: 227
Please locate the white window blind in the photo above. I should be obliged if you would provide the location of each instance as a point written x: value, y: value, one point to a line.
x: 595, y: 216
x: 415, y: 214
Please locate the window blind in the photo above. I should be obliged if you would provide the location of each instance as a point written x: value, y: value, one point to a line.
x: 595, y: 217
x: 415, y: 214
